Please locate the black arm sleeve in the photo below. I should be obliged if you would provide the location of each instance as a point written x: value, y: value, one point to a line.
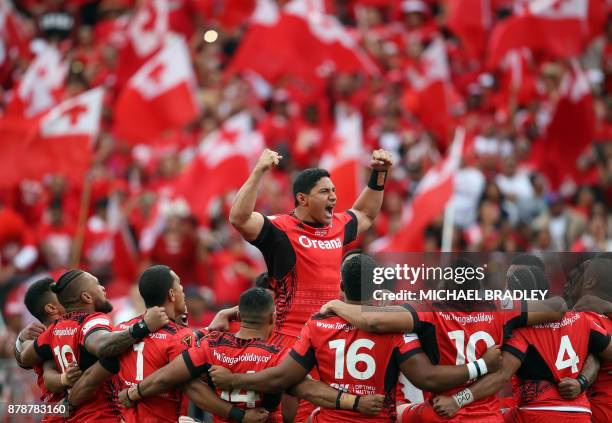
x: 350, y: 229
x: 276, y: 248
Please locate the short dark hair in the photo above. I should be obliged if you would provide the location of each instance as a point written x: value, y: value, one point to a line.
x: 306, y: 180
x: 37, y: 296
x: 528, y: 278
x: 255, y: 305
x: 262, y: 281
x: 154, y: 284
x: 528, y: 260
x: 355, y: 270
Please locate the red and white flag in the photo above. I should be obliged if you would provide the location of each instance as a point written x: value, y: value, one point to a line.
x: 431, y: 196
x: 145, y: 35
x: 571, y: 129
x: 559, y: 28
x: 343, y: 158
x: 41, y: 85
x: 430, y: 96
x: 222, y: 164
x: 161, y: 96
x: 471, y: 21
x: 65, y: 138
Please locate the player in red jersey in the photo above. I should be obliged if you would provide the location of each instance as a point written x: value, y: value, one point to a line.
x: 452, y: 337
x: 244, y: 351
x: 354, y: 361
x: 303, y: 250
x: 541, y: 356
x: 84, y: 333
x: 591, y: 294
x: 43, y: 304
x: 159, y: 286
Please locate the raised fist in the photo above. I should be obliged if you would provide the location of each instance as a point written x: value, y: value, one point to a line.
x: 156, y: 318
x: 267, y: 159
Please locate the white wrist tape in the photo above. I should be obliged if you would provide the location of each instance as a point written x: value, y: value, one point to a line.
x: 464, y: 397
x: 483, y: 366
x: 18, y: 345
x: 477, y: 368
x: 471, y: 366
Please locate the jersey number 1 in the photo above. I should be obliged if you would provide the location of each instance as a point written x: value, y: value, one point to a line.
x: 139, y: 348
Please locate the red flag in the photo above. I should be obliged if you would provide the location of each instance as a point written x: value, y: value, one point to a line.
x: 41, y: 85
x: 557, y: 27
x: 146, y: 33
x: 471, y: 21
x: 229, y: 14
x: 223, y: 164
x: 571, y: 128
x: 65, y: 138
x: 304, y: 43
x: 343, y: 159
x: 430, y: 96
x: 159, y: 97
x: 434, y: 191
x: 15, y: 136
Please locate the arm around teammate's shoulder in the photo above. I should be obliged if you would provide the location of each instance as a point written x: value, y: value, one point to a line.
x: 372, y: 319
x: 545, y: 311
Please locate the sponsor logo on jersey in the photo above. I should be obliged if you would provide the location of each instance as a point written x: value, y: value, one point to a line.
x: 331, y: 244
x: 64, y: 332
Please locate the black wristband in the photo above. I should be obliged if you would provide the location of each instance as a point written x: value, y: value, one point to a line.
x: 478, y: 370
x: 139, y: 329
x: 236, y: 414
x: 127, y: 394
x: 138, y: 390
x: 338, y: 400
x: 356, y: 403
x: 584, y: 382
x: 377, y: 180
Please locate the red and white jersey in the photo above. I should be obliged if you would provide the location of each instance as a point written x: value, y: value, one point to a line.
x: 353, y: 361
x: 550, y: 352
x: 64, y: 342
x: 406, y: 391
x: 240, y: 356
x: 145, y: 357
x: 600, y: 393
x: 457, y: 337
x: 303, y: 264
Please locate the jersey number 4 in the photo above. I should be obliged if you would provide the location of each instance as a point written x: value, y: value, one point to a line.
x: 352, y: 358
x: 566, y: 349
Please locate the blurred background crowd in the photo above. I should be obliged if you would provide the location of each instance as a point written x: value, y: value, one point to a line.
x: 535, y: 172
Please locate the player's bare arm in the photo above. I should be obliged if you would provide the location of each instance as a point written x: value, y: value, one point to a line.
x: 435, y: 378
x: 85, y: 388
x: 372, y: 319
x: 28, y: 356
x: 222, y: 319
x: 206, y: 399
x: 323, y: 395
x: 446, y: 406
x: 242, y: 214
x: 55, y: 381
x: 545, y: 311
x: 104, y: 344
x: 274, y: 379
x: 368, y: 204
x: 570, y: 388
x: 160, y: 381
x: 595, y: 304
x: 606, y: 354
x: 25, y: 338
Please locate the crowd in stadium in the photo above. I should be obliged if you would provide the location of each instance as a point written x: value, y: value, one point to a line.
x: 534, y: 174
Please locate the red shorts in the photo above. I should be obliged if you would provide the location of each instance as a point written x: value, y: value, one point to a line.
x: 305, y: 408
x: 545, y: 416
x: 424, y: 413
x: 602, y: 411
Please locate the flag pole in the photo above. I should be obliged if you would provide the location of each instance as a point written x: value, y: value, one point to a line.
x: 77, y: 245
x: 449, y: 211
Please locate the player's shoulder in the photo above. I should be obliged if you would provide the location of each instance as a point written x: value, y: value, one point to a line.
x: 126, y: 324
x: 343, y: 216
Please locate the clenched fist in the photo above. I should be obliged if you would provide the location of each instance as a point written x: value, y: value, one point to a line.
x: 493, y: 359
x: 156, y: 318
x: 267, y: 159
x: 381, y: 160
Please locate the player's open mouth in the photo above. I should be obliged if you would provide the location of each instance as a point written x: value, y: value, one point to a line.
x: 329, y: 211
